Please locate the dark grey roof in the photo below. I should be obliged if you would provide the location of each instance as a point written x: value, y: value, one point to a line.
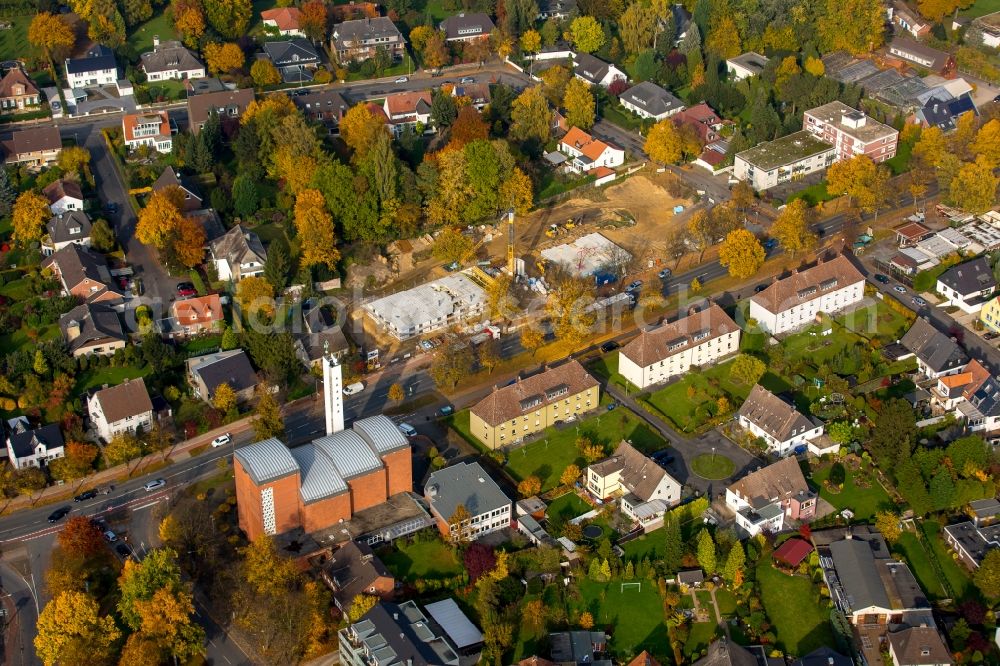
x: 590, y: 68
x: 97, y: 59
x: 234, y: 370
x: 23, y: 442
x: 192, y: 198
x: 725, y: 653
x: 76, y: 263
x: 205, y: 85
x: 267, y: 460
x: 943, y: 113
x: 970, y: 277
x: 855, y: 565
x: 577, y: 646
x: 976, y: 541
x: 402, y: 634
x: 652, y: 98
x: 354, y: 34
x: 916, y: 646
x: 751, y: 61
x: 68, y: 227
x: 169, y: 56
x: 98, y: 324
x: 467, y: 25
x: 297, y: 51
x: 322, y: 102
x: 239, y: 245
x: 824, y: 656
x: 986, y: 399
x: 353, y: 568
x: 691, y: 576
x: 935, y: 349
x: 467, y: 484
x: 777, y: 417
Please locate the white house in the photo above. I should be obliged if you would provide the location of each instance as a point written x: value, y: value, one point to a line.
x: 746, y: 65
x: 151, y: 128
x: 972, y: 396
x: 967, y: 286
x: 33, y: 448
x: 122, y: 408
x: 587, y: 153
x: 938, y: 355
x: 780, y: 425
x: 97, y: 68
x: 765, y: 499
x: 468, y: 485
x: 170, y: 60
x: 672, y: 349
x: 407, y: 110
x: 783, y: 160
x: 648, y: 100
x: 238, y: 254
x: 595, y: 71
x: 793, y: 302
x: 64, y: 196
x: 285, y: 20
x: 645, y: 488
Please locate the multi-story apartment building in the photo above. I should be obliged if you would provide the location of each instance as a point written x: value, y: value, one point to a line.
x: 645, y: 488
x: 513, y: 412
x: 788, y: 304
x: 780, y: 425
x: 466, y: 485
x: 122, y: 408
x: 851, y: 132
x: 671, y: 349
x: 764, y: 499
x: 783, y: 160
x: 362, y: 38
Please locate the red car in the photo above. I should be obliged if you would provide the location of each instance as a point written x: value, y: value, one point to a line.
x: 186, y: 289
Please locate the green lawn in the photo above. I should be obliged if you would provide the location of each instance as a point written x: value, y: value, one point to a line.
x: 435, y: 9
x: 713, y: 466
x: 900, y: 163
x: 648, y: 545
x: 690, y: 412
x: 111, y: 376
x: 567, y: 507
x: 201, y: 344
x: 889, y: 325
x: 981, y: 8
x: 554, y: 184
x: 141, y: 38
x: 701, y: 636
x: 813, y: 195
x: 422, y: 560
x: 166, y: 90
x: 633, y: 616
x: 726, y: 601
x: 864, y: 502
x: 958, y: 576
x: 800, y: 617
x: 14, y: 41
x: 919, y: 560
x: 614, y: 113
x: 11, y: 342
x: 606, y: 367
x: 17, y: 290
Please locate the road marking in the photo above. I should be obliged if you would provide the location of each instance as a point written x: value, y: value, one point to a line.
x: 146, y: 506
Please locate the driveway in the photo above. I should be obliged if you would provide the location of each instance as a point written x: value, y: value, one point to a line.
x: 630, y: 140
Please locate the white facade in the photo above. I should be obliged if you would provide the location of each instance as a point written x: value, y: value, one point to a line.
x: 333, y: 394
x: 590, y: 153
x: 772, y: 523
x: 799, y: 314
x: 643, y: 113
x: 108, y: 429
x: 762, y: 178
x: 246, y: 269
x: 64, y: 204
x: 178, y: 74
x: 97, y: 77
x: 706, y: 352
x: 484, y: 523
x: 961, y: 301
x: 781, y: 448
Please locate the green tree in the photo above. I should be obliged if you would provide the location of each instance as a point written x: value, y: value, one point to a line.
x: 245, y: 197
x: 8, y: 194
x: 41, y: 366
x: 102, y: 238
x: 587, y: 34
x: 443, y: 110
x: 891, y: 441
x: 278, y: 266
x: 229, y: 339
x: 139, y: 581
x: 733, y: 572
x: 637, y: 27
x: 856, y: 26
x: 579, y: 103
x: 987, y: 576
x: 673, y: 547
x: 942, y: 490
x: 530, y: 116
x: 706, y: 552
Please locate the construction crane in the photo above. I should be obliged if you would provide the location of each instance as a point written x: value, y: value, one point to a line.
x: 510, y: 242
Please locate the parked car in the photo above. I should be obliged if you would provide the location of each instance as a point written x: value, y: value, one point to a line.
x: 221, y: 440
x: 609, y: 346
x: 110, y: 536
x: 407, y: 429
x: 403, y: 79
x: 919, y: 302
x: 633, y: 286
x: 612, y: 405
x: 58, y: 514
x: 759, y: 288
x: 85, y: 495
x: 899, y: 289
x: 186, y: 289
x: 447, y: 410
x: 770, y: 244
x: 111, y: 207
x: 153, y: 485
x: 665, y: 273
x: 466, y: 80
x: 123, y: 550
x: 883, y: 279
x: 356, y: 387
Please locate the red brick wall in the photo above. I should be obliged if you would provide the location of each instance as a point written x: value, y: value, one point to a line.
x: 250, y: 511
x: 367, y: 490
x: 399, y: 471
x: 325, y: 513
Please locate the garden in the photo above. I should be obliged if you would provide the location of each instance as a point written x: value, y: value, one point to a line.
x: 423, y: 557
x: 852, y: 484
x: 798, y: 612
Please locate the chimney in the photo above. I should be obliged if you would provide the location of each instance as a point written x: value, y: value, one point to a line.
x: 73, y: 330
x: 156, y: 41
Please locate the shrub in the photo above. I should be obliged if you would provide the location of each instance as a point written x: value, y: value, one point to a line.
x: 837, y: 474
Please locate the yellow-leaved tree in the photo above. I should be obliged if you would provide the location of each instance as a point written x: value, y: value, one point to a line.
x: 222, y: 58
x: 791, y: 228
x: 71, y: 630
x: 314, y: 226
x: 741, y: 253
x: 579, y: 104
x: 51, y: 34
x: 358, y: 129
x: 161, y: 217
x: 31, y: 210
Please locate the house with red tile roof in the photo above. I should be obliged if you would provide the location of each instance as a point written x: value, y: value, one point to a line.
x: 151, y: 128
x: 198, y: 315
x: 407, y: 110
x: 587, y: 153
x: 283, y: 19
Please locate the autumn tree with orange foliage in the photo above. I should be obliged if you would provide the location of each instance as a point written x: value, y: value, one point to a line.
x: 313, y: 19
x: 222, y: 58
x: 81, y: 538
x: 468, y: 127
x: 358, y: 129
x: 315, y: 230
x: 161, y: 217
x: 188, y: 242
x: 76, y: 463
x: 189, y: 20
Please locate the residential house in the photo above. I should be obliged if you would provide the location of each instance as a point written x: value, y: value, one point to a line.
x: 726, y: 653
x: 324, y: 105
x: 71, y: 227
x: 851, y: 132
x: 151, y: 128
x: 989, y: 315
x: 83, y: 273
x: 286, y: 21
x: 644, y: 659
x: 406, y: 110
x: 467, y: 485
x: 170, y: 60
x: 672, y: 349
x: 477, y: 93
x: 782, y: 427
x: 943, y: 113
x: 557, y: 9
x: 206, y: 373
x: 793, y: 302
x: 986, y: 30
x: 123, y: 408
x: 169, y: 178
x: 17, y: 91
x: 530, y: 405
x: 395, y: 634
x: 238, y: 254
x: 968, y: 285
x: 918, y: 646
x: 765, y: 500
x: 63, y: 196
x: 354, y: 569
x: 360, y: 39
x: 204, y: 86
x: 27, y: 447
x: 691, y: 578
x: 595, y: 71
x: 194, y: 316
x: 648, y: 100
x: 35, y: 147
x: 323, y: 336
x: 923, y: 56
x: 645, y: 488
x: 703, y: 119
x: 467, y: 27
x: 937, y: 354
x: 228, y: 104
x: 907, y: 19
x: 97, y: 67
x: 746, y: 65
x: 971, y: 542
x: 587, y: 153
x: 296, y: 59
x: 92, y: 328
x: 782, y: 160
x: 579, y: 647
x: 952, y: 390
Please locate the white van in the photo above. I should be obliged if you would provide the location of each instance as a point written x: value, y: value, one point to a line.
x: 356, y: 387
x: 407, y: 429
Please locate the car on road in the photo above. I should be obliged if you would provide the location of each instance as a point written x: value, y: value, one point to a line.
x: 221, y: 440
x: 110, y: 536
x: 352, y: 389
x: 466, y: 80
x: 612, y: 405
x: 882, y: 279
x: 899, y: 289
x: 85, y: 495
x: 153, y: 485
x: 403, y: 79
x: 770, y: 244
x: 665, y: 273
x: 58, y: 514
x: 759, y: 288
x: 186, y: 289
x: 111, y: 207
x: 633, y: 286
x: 447, y: 410
x: 919, y: 302
x: 609, y: 346
x: 407, y: 429
x: 997, y: 99
x: 123, y: 550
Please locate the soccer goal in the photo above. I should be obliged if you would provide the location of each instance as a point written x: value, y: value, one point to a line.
x: 637, y: 586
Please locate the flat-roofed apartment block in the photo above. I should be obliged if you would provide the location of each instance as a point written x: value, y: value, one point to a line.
x: 511, y: 413
x: 672, y: 349
x: 428, y: 307
x: 851, y: 132
x: 467, y: 485
x: 783, y: 160
x: 788, y: 304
